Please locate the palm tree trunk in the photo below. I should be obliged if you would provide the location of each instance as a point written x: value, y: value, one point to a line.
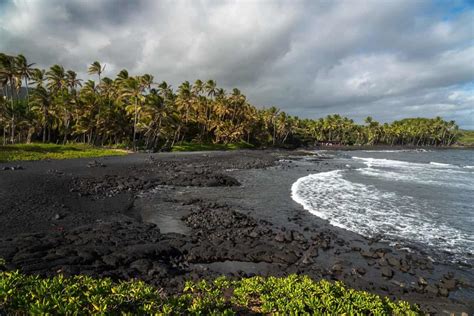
x: 274, y: 131
x: 66, y: 132
x: 27, y: 94
x: 135, y: 125
x: 12, y: 127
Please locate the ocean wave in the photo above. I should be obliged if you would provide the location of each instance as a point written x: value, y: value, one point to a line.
x: 396, y: 151
x: 443, y: 165
x: 451, y: 179
x: 369, y: 211
x: 382, y: 162
x: 434, y: 173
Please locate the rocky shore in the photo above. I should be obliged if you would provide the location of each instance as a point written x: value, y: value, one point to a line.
x: 165, y: 218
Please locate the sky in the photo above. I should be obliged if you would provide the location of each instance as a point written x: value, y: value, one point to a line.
x: 389, y: 59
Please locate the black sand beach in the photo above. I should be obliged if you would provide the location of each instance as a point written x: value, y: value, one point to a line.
x: 168, y: 217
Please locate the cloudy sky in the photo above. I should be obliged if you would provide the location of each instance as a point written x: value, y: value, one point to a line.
x: 385, y: 58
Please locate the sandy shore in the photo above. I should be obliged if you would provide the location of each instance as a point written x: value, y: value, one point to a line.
x: 169, y: 217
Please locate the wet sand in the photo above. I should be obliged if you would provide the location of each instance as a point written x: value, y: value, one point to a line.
x: 169, y: 217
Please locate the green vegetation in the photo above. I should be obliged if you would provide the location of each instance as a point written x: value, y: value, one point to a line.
x: 185, y: 146
x: 466, y: 138
x: 51, y: 151
x: 24, y: 294
x: 135, y: 110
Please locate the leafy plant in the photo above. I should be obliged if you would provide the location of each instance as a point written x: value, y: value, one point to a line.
x: 26, y: 294
x: 40, y: 151
x: 189, y: 146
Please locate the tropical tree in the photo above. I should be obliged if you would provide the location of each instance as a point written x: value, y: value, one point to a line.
x: 114, y: 111
x: 131, y: 91
x: 96, y: 69
x: 25, y: 71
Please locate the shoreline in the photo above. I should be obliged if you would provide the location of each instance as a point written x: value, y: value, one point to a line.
x: 389, y: 147
x: 205, y: 228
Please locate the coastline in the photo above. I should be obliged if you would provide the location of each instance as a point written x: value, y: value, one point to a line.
x: 205, y: 228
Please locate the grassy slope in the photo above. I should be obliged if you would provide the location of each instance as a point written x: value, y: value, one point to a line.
x: 24, y: 294
x: 205, y: 147
x: 466, y: 138
x: 52, y: 151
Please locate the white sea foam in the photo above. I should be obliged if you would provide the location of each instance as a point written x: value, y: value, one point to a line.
x: 434, y: 173
x: 395, y: 163
x: 443, y: 165
x: 395, y: 150
x: 369, y: 211
x: 387, y: 162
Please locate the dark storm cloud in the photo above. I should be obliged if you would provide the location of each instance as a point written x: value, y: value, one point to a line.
x: 388, y: 59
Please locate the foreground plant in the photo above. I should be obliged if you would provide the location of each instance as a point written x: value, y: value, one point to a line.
x: 25, y: 294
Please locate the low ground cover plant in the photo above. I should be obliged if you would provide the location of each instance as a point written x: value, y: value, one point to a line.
x: 27, y: 294
x: 39, y: 151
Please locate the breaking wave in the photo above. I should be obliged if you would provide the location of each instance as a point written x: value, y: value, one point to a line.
x: 370, y: 211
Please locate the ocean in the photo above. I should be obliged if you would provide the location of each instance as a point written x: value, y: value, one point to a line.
x: 420, y: 199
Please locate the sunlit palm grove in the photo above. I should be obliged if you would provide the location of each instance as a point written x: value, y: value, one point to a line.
x: 54, y: 105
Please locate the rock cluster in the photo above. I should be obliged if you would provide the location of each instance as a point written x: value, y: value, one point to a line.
x: 111, y: 185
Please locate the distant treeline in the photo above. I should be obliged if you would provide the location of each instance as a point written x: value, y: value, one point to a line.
x: 136, y: 111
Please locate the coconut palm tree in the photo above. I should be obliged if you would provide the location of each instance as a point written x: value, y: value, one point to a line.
x: 96, y: 69
x: 130, y: 107
x: 56, y: 78
x: 132, y: 92
x: 25, y: 71
x: 41, y: 102
x: 9, y: 72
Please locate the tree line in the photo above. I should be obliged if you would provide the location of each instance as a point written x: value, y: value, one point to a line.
x: 54, y: 105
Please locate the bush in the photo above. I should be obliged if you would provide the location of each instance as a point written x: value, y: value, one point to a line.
x: 39, y: 151
x: 190, y: 146
x: 24, y: 294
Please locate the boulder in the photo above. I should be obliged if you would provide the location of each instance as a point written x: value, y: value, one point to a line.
x: 431, y: 289
x: 449, y: 284
x: 387, y: 272
x: 422, y: 281
x: 393, y: 261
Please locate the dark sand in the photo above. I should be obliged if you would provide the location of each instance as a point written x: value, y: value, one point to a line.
x: 168, y: 217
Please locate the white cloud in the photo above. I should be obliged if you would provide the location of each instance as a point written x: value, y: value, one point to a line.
x: 310, y: 58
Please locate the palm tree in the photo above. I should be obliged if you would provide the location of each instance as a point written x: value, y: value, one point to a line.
x: 41, y: 104
x: 107, y: 111
x: 9, y: 71
x: 72, y: 82
x: 272, y: 114
x: 25, y: 71
x: 38, y: 76
x: 184, y: 99
x: 122, y: 76
x: 210, y: 88
x: 96, y: 69
x: 56, y: 78
x: 132, y: 90
x: 146, y: 81
x: 198, y: 87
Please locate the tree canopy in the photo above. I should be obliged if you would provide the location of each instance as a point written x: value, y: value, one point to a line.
x: 140, y: 112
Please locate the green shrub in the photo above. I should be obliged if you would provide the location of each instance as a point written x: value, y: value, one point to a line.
x: 466, y: 137
x: 39, y: 151
x: 190, y: 146
x: 23, y: 294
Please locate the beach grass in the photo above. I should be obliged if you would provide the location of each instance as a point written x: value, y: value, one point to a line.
x: 292, y: 295
x: 40, y: 151
x: 190, y: 146
x: 466, y: 138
